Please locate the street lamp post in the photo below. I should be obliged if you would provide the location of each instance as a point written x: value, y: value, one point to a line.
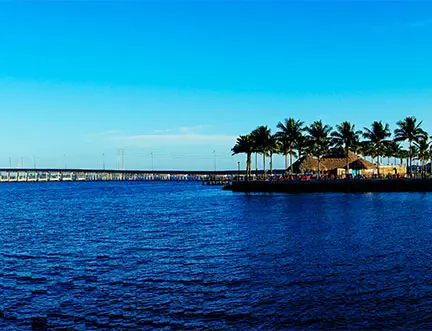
x: 152, y: 164
x: 214, y: 160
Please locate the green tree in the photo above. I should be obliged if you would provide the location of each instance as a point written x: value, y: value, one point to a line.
x: 289, y: 134
x: 285, y: 149
x: 319, y: 140
x: 273, y: 147
x: 261, y: 136
x: 410, y: 130
x: 346, y: 137
x: 301, y: 146
x: 391, y: 149
x: 403, y: 154
x: 362, y: 149
x: 376, y: 139
x: 245, y: 145
x: 423, y: 152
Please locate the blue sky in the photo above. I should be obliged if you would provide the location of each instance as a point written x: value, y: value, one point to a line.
x: 183, y: 79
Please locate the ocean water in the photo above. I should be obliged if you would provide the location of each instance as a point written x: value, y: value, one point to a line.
x: 181, y: 256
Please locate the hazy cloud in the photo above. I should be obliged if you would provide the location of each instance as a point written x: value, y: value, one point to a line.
x: 182, y: 129
x: 104, y: 133
x: 191, y: 129
x: 162, y: 131
x: 185, y: 135
x: 174, y: 139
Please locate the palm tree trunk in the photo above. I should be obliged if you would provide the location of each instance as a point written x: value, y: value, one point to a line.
x: 286, y: 161
x: 271, y: 163
x: 410, y: 160
x: 249, y: 165
x: 378, y: 163
x: 347, y: 163
x: 264, y: 165
x: 319, y: 164
x: 291, y: 163
x: 256, y: 164
x: 422, y: 168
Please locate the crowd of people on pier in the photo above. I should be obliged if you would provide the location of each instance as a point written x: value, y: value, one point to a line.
x: 286, y: 177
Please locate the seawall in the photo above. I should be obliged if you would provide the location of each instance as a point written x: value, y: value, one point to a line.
x: 348, y: 186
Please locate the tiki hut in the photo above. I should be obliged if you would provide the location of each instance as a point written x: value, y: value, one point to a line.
x: 334, y: 163
x: 362, y: 164
x: 308, y: 164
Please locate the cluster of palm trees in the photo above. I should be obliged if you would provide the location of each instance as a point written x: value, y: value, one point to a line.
x: 294, y: 140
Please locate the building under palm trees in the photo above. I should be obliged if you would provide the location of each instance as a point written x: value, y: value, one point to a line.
x: 315, y: 147
x: 392, y: 169
x: 334, y: 163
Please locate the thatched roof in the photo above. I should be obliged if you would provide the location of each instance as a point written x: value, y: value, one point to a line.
x: 308, y: 163
x: 332, y: 161
x: 361, y: 164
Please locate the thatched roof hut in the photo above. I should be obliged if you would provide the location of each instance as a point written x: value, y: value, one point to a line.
x: 332, y: 161
x: 308, y: 163
x: 362, y: 164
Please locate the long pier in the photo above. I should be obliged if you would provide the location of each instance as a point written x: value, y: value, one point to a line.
x: 75, y: 175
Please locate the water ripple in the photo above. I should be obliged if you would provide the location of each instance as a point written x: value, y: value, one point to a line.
x: 181, y: 256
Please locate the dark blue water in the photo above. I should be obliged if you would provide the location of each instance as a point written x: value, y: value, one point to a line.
x: 181, y: 256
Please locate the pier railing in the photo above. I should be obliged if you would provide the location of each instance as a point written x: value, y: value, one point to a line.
x: 76, y: 175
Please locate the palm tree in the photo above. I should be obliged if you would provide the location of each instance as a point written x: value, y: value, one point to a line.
x: 391, y: 149
x: 376, y: 139
x: 409, y: 130
x: 289, y: 134
x: 397, y: 150
x: 346, y: 137
x: 255, y: 148
x: 403, y: 154
x: 273, y: 147
x: 430, y: 157
x: 285, y: 149
x: 423, y: 152
x: 414, y: 154
x: 319, y: 140
x: 301, y: 146
x: 261, y: 136
x: 387, y: 152
x: 362, y: 149
x: 245, y: 145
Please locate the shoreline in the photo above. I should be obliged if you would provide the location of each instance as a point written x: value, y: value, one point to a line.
x: 340, y: 186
